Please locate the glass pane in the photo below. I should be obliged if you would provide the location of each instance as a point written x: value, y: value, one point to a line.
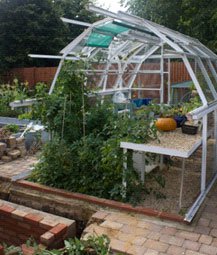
x: 211, y: 76
x: 203, y: 84
x: 112, y: 28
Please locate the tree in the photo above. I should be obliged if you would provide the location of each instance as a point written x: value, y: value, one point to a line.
x: 28, y: 26
x: 75, y: 9
x: 197, y: 18
x: 34, y: 26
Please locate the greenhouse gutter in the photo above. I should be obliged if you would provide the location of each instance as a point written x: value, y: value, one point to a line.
x: 203, y: 110
x: 193, y: 210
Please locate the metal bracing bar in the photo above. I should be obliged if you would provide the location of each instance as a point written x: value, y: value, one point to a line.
x: 203, y: 110
x: 208, y: 50
x: 146, y: 89
x: 114, y: 54
x: 143, y: 37
x: 215, y: 137
x: 181, y: 53
x: 204, y: 155
x: 205, y: 55
x: 182, y: 182
x: 194, y: 79
x: 175, y: 34
x: 134, y: 50
x: 52, y: 57
x: 142, y: 22
x: 169, y: 82
x: 77, y: 40
x: 162, y: 74
x: 75, y: 22
x: 214, y: 73
x: 56, y: 76
x: 119, y: 78
x: 193, y: 210
x: 73, y: 44
x: 189, y: 50
x: 206, y: 76
x: 138, y: 66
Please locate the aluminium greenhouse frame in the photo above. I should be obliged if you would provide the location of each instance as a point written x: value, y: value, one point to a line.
x: 123, y: 47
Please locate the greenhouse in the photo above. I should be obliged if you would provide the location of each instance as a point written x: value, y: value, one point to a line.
x: 133, y: 60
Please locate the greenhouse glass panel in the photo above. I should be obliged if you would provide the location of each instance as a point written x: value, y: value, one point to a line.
x: 203, y: 84
x: 112, y: 28
x: 211, y: 76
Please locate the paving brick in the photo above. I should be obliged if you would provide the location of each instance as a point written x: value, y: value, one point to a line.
x: 156, y: 245
x: 151, y: 252
x: 141, y: 232
x: 111, y: 224
x: 191, y: 245
x: 176, y: 250
x: 205, y: 239
x: 125, y: 237
x: 213, y: 224
x: 128, y: 229
x: 213, y: 232
x: 189, y: 252
x: 169, y: 231
x: 202, y: 230
x: 178, y: 241
x: 139, y: 240
x: 119, y: 246
x: 100, y: 215
x: 188, y: 235
x: 214, y: 242
x: 207, y: 249
x: 154, y: 235
x: 136, y: 250
x: 203, y: 222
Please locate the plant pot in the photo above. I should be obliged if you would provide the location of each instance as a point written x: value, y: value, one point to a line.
x: 189, y: 129
x: 166, y: 124
x: 180, y: 120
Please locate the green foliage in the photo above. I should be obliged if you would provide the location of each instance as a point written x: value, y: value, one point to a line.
x: 13, y: 128
x: 62, y: 111
x: 10, y: 93
x: 85, y: 148
x: 32, y: 26
x: 95, y: 245
x: 194, y: 18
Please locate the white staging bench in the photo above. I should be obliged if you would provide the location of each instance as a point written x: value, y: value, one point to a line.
x: 172, y: 143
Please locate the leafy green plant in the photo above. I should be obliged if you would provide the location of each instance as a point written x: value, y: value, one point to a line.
x: 93, y: 245
x: 13, y: 128
x: 85, y: 145
x: 10, y: 93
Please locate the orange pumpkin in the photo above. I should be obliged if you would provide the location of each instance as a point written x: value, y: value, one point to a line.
x: 166, y: 124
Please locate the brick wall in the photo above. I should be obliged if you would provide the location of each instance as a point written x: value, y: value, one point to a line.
x: 19, y: 223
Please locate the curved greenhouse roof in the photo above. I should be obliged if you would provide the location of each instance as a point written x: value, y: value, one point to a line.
x: 123, y: 43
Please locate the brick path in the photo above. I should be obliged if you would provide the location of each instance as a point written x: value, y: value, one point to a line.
x: 138, y: 235
x: 17, y: 169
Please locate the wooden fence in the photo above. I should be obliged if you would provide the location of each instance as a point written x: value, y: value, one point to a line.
x: 34, y: 75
